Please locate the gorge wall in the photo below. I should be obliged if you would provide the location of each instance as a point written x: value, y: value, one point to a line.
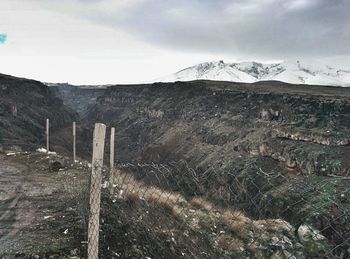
x: 304, y: 128
x: 24, y: 106
x: 271, y: 149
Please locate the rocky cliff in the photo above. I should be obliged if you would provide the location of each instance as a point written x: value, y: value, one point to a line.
x: 210, y: 123
x: 24, y: 106
x: 78, y: 98
x: 270, y: 148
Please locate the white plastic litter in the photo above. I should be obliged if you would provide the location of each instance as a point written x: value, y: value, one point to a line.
x: 43, y: 150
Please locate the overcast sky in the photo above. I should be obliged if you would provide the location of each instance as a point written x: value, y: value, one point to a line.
x: 126, y: 41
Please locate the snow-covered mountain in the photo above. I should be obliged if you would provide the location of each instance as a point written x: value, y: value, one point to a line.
x: 296, y: 72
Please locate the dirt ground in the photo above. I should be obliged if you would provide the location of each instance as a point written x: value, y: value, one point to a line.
x: 42, y: 216
x: 36, y: 215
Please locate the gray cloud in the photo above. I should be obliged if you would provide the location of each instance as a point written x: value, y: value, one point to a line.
x: 265, y: 29
x: 245, y: 28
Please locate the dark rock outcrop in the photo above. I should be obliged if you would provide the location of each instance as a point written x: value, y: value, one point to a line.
x: 217, y: 123
x: 24, y: 106
x: 78, y: 98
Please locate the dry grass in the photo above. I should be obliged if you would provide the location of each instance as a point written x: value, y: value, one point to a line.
x: 238, y: 223
x: 230, y: 244
x: 273, y: 225
x: 173, y: 202
x: 200, y: 203
x: 235, y: 232
x: 132, y: 198
x: 278, y: 255
x: 162, y: 199
x: 132, y: 190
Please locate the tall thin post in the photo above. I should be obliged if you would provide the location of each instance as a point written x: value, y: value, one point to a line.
x: 47, y: 135
x: 111, y: 162
x: 95, y: 189
x: 74, y: 142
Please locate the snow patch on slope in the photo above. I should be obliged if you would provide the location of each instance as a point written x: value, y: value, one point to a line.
x: 296, y: 72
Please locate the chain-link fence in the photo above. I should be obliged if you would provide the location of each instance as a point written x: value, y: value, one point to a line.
x: 173, y: 211
x: 77, y: 191
x: 177, y: 210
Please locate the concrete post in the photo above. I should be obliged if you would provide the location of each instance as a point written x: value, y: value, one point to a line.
x: 95, y: 190
x: 47, y: 135
x: 111, y: 162
x: 74, y: 143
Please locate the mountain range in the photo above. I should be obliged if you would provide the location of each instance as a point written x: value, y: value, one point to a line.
x: 295, y: 72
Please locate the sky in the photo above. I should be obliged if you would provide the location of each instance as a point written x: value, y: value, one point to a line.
x: 132, y: 41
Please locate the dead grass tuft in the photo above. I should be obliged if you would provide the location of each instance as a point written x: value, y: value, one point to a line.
x: 162, y: 198
x: 132, y: 198
x: 200, y: 203
x: 230, y: 244
x: 235, y: 246
x: 237, y: 223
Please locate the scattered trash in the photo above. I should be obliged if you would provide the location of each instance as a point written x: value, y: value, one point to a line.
x: 11, y: 154
x: 105, y: 185
x: 66, y: 231
x: 43, y: 150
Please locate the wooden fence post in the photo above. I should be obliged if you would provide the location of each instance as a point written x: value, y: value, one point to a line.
x: 74, y: 142
x: 47, y: 135
x: 95, y: 189
x: 111, y: 163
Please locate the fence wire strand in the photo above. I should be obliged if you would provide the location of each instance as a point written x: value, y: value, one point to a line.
x: 173, y: 211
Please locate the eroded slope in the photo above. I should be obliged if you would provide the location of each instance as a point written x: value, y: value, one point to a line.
x: 271, y: 149
x: 24, y: 106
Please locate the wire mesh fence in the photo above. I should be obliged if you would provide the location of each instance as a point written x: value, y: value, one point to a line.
x: 177, y: 210
x: 172, y: 211
x: 77, y: 191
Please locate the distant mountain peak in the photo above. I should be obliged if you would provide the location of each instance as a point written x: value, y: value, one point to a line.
x: 296, y: 72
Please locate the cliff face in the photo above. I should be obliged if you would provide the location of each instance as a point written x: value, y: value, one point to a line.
x: 213, y: 123
x: 272, y: 149
x: 78, y: 98
x: 24, y: 106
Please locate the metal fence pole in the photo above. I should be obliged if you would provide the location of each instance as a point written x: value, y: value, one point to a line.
x: 111, y: 161
x: 95, y: 189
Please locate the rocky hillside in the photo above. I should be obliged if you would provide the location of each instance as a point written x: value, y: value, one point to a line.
x: 270, y: 148
x: 24, y: 106
x: 78, y: 98
x: 212, y: 122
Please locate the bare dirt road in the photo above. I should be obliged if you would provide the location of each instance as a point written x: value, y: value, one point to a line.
x: 37, y: 214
